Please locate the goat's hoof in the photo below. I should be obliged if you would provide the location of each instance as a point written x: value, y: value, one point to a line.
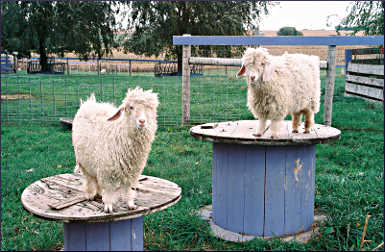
x: 274, y: 136
x: 257, y: 134
x: 108, y: 208
x: 91, y: 196
x: 307, y: 131
x: 295, y: 131
x: 131, y: 205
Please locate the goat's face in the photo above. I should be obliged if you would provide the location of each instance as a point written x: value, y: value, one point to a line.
x: 139, y: 115
x: 138, y: 109
x: 252, y: 71
x: 255, y: 66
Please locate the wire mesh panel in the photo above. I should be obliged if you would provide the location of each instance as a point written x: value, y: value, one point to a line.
x: 46, y: 98
x: 217, y: 98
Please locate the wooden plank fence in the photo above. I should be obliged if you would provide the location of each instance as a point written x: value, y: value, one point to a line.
x: 365, y: 75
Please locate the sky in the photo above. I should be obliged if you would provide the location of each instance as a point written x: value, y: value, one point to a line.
x: 310, y: 15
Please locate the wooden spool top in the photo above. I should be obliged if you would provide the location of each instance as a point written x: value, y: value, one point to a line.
x: 241, y: 132
x: 60, y: 198
x: 66, y: 122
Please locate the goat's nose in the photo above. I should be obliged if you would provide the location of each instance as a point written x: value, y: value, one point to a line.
x: 142, y: 121
x: 252, y: 78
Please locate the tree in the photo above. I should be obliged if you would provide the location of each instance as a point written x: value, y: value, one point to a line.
x: 367, y: 16
x: 155, y: 23
x: 289, y: 31
x: 56, y: 27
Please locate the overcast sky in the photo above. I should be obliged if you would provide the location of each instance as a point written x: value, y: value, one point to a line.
x: 310, y: 15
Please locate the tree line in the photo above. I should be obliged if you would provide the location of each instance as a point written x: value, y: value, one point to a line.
x: 89, y: 29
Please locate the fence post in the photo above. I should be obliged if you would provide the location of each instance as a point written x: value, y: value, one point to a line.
x: 329, y: 87
x: 129, y: 67
x: 186, y: 53
x: 348, y: 58
x: 98, y: 66
x: 14, y: 63
x: 68, y: 67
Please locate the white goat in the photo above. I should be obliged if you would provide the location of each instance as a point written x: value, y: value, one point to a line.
x: 112, y: 144
x: 281, y: 85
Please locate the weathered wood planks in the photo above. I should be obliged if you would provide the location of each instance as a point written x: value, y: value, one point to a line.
x: 66, y: 122
x: 366, y: 68
x: 242, y: 132
x: 365, y: 81
x: 60, y: 198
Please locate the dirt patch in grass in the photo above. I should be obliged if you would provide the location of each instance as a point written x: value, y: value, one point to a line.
x: 15, y: 96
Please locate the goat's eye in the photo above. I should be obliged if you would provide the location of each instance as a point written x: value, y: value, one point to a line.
x: 131, y: 107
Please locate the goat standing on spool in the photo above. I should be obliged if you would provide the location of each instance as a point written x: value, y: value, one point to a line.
x: 112, y: 144
x: 281, y: 85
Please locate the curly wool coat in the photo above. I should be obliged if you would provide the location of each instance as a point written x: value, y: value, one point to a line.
x: 281, y: 85
x: 110, y: 149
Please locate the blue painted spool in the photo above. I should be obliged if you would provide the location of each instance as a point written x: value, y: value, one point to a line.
x: 263, y: 186
x: 104, y: 236
x: 259, y: 190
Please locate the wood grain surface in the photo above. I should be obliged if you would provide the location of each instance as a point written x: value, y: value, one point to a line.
x: 241, y: 132
x: 60, y: 198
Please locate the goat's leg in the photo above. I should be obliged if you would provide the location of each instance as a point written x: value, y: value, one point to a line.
x: 261, y: 125
x: 109, y: 198
x: 130, y: 195
x: 275, y: 127
x: 90, y: 186
x: 309, y: 120
x: 296, y: 121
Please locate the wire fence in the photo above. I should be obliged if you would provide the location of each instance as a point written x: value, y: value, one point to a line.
x: 216, y: 94
x: 47, y: 98
x: 76, y: 66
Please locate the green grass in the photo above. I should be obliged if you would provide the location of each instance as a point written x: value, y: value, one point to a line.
x: 349, y: 175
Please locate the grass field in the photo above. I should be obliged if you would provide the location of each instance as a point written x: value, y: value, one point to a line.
x: 349, y: 172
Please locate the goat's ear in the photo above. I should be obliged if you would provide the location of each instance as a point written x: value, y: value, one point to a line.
x: 241, y: 72
x: 116, y: 115
x: 268, y: 72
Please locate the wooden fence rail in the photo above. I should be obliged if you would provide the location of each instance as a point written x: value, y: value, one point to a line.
x: 365, y: 74
x: 230, y: 62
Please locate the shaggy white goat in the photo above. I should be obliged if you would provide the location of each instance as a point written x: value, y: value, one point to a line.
x: 281, y: 85
x: 112, y: 144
